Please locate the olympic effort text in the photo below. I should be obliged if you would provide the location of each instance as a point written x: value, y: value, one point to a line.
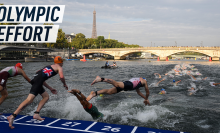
x: 28, y: 33
x: 31, y: 13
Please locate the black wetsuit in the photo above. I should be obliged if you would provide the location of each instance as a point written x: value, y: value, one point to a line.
x: 39, y: 78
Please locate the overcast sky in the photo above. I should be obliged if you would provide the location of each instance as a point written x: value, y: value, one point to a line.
x: 142, y: 22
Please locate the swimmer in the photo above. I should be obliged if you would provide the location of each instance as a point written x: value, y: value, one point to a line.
x: 175, y: 83
x: 132, y: 84
x: 37, y: 88
x: 100, y: 97
x: 191, y: 76
x: 90, y: 108
x: 162, y: 91
x: 216, y: 83
x: 157, y: 74
x: 160, y: 81
x: 6, y: 73
x: 191, y: 91
x: 205, y: 78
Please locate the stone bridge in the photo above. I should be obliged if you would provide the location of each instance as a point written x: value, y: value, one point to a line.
x: 161, y: 52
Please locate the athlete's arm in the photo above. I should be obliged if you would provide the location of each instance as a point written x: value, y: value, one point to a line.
x: 146, y: 101
x: 160, y: 81
x: 60, y: 70
x: 216, y: 83
x: 50, y: 88
x: 140, y: 94
x: 21, y: 72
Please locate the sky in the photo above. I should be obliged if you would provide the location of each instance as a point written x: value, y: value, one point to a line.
x: 143, y: 22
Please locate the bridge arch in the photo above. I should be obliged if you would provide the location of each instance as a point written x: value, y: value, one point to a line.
x: 131, y: 52
x: 190, y: 51
x: 101, y: 52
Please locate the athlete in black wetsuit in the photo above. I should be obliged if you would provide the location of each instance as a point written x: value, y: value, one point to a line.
x: 37, y: 88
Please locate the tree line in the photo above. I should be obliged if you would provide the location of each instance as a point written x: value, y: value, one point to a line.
x: 81, y: 42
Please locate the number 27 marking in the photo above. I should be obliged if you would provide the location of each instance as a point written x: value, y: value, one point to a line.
x: 69, y: 123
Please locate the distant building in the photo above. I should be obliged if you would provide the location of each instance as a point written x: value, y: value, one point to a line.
x: 69, y: 37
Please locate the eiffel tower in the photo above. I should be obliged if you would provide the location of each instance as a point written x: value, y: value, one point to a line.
x: 94, y: 32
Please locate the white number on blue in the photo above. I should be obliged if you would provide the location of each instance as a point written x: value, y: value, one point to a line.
x: 70, y: 124
x: 35, y: 121
x: 109, y: 128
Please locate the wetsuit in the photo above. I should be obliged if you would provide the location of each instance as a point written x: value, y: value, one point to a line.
x: 39, y: 78
x: 7, y: 73
x: 93, y: 111
x: 132, y: 84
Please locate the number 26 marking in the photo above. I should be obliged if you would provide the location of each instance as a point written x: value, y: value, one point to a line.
x: 109, y: 128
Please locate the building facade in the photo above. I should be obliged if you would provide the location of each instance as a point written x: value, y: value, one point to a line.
x: 69, y: 37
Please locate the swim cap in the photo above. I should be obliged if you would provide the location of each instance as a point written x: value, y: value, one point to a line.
x: 174, y: 81
x: 163, y: 89
x: 58, y: 59
x: 101, y: 95
x: 144, y: 79
x: 19, y: 65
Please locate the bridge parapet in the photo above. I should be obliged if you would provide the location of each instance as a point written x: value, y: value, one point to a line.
x: 162, y: 52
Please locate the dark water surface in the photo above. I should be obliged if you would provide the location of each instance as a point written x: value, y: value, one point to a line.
x: 177, y: 110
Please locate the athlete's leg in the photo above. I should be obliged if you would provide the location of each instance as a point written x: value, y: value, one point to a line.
x: 103, y: 91
x: 21, y: 107
x: 110, y: 81
x: 45, y: 97
x: 4, y: 94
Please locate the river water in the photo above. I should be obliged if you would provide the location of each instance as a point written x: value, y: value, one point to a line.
x: 177, y: 110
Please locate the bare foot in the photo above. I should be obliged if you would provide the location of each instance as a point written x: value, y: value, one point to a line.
x: 10, y: 121
x: 37, y: 116
x: 91, y: 95
x: 97, y: 79
x: 73, y: 91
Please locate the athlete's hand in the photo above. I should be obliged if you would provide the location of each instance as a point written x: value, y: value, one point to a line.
x: 146, y: 102
x: 53, y: 91
x: 66, y: 87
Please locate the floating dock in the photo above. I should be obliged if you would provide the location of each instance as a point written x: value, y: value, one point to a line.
x: 26, y: 124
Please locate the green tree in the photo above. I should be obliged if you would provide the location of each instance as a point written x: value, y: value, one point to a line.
x: 61, y: 41
x: 89, y: 42
x: 79, y: 42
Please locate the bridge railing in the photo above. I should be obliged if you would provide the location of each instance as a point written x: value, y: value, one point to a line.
x: 157, y: 48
